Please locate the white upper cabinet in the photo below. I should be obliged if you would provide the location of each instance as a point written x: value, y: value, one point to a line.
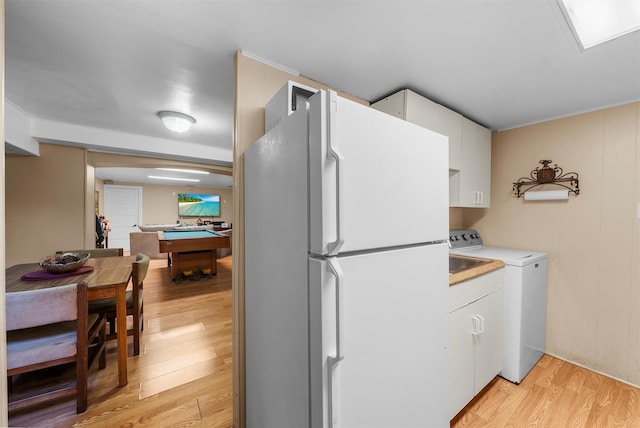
x: 469, y: 145
x: 474, y: 177
x: 417, y: 109
x: 440, y: 119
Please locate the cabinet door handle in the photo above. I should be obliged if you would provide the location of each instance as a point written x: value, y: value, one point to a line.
x: 481, y: 322
x: 476, y: 325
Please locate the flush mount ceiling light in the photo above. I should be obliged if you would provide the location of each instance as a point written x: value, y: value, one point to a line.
x: 597, y: 21
x: 176, y: 122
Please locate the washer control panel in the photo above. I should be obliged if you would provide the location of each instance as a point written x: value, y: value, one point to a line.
x: 464, y: 238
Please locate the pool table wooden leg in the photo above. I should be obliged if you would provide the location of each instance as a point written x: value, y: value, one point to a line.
x: 214, y: 262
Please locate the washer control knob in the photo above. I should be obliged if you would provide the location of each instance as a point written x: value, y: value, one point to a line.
x: 464, y: 236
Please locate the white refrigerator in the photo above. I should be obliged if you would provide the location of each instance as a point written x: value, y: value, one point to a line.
x: 346, y: 271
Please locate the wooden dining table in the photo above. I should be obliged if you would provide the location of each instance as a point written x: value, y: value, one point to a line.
x: 108, y: 279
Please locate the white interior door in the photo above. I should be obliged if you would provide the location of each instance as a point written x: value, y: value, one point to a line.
x: 123, y: 208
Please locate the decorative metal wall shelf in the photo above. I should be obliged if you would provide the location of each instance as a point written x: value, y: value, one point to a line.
x: 547, y: 175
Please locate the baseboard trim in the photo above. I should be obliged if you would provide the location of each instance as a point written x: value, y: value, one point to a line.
x: 592, y: 369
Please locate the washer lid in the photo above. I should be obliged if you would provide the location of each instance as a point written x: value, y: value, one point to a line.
x: 508, y: 256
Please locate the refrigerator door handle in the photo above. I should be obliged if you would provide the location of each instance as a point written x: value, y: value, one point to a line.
x: 332, y: 151
x: 336, y: 270
x: 332, y: 398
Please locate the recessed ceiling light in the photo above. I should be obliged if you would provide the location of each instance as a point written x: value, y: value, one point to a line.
x: 597, y: 21
x: 176, y: 122
x: 173, y: 178
x: 191, y: 171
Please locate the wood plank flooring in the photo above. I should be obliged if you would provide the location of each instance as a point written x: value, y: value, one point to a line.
x: 183, y: 376
x: 554, y: 394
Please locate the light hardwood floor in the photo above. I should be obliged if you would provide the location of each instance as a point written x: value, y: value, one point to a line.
x: 554, y: 394
x: 184, y: 372
x: 183, y: 375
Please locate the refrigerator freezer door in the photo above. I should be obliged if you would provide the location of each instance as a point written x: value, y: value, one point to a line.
x: 375, y: 181
x: 276, y: 297
x: 378, y: 339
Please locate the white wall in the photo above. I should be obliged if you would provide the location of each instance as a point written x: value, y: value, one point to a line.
x: 160, y: 203
x: 593, y: 239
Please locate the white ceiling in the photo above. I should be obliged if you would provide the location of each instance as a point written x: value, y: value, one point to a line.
x: 114, y: 64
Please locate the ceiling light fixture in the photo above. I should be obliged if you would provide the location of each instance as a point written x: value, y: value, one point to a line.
x: 597, y: 21
x: 174, y: 178
x: 190, y: 171
x: 176, y: 122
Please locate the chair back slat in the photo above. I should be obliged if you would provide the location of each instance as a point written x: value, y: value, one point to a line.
x: 33, y: 308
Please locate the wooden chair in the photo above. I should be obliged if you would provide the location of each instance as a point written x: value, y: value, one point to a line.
x: 97, y: 252
x: 47, y: 328
x: 135, y: 303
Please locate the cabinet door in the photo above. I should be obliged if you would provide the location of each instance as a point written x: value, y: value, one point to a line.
x: 433, y: 116
x: 488, y: 338
x: 474, y: 185
x: 461, y: 358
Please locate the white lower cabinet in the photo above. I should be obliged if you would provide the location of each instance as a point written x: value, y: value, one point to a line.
x: 476, y: 336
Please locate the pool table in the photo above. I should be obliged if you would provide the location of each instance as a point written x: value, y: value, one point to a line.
x: 191, y: 251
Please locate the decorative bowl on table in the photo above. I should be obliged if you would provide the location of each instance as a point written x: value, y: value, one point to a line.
x: 64, y: 262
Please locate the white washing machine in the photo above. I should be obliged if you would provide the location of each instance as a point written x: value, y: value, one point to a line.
x: 525, y: 300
